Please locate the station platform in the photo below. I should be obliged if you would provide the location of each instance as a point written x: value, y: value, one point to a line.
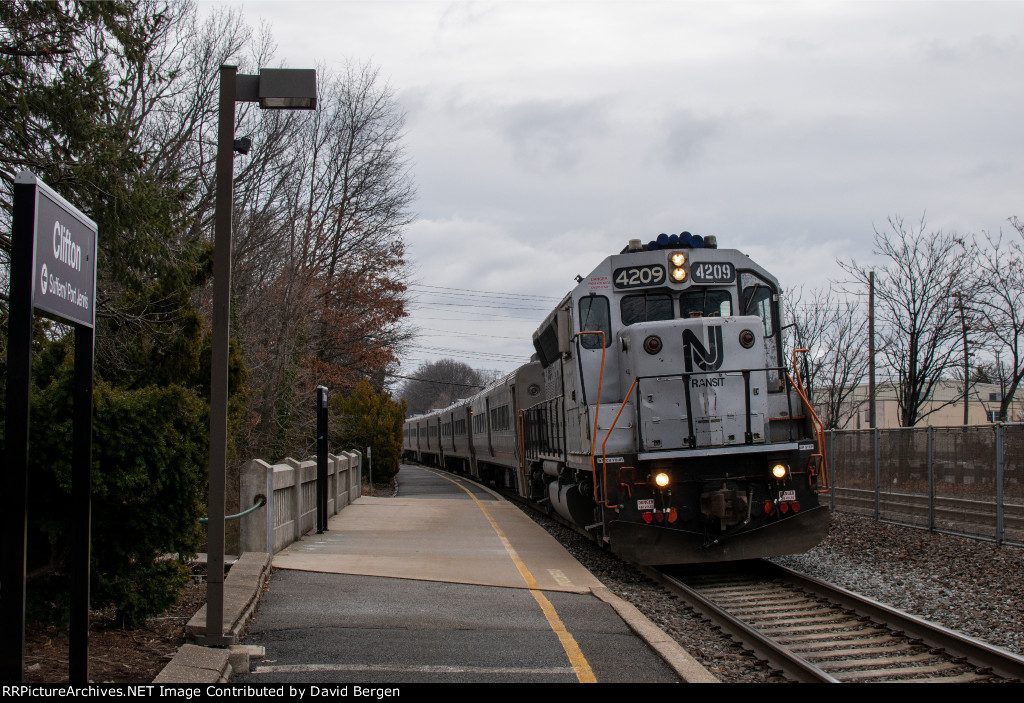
x: 447, y: 582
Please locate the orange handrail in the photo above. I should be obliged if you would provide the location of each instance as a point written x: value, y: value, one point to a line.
x: 819, y: 426
x: 597, y: 410
x: 604, y: 457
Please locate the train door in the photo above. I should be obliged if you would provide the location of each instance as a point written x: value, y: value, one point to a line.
x: 469, y: 441
x: 440, y: 443
x: 451, y: 430
x: 487, y: 420
x: 419, y: 441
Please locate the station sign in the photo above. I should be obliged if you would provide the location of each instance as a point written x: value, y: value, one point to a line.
x: 53, y: 270
x: 64, y: 264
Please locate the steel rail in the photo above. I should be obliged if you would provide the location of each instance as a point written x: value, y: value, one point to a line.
x: 775, y: 654
x: 956, y: 648
x: 999, y: 660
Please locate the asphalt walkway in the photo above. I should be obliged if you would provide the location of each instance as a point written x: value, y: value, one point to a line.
x: 448, y: 582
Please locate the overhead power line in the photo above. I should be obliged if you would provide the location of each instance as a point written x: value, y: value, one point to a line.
x: 488, y: 293
x: 430, y: 380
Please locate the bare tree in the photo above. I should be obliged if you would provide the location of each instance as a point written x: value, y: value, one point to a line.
x: 319, y: 253
x: 999, y: 307
x: 918, y: 288
x: 115, y: 104
x: 438, y: 384
x: 830, y: 327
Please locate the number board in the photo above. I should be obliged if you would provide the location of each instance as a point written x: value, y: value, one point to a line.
x: 639, y: 276
x: 712, y: 273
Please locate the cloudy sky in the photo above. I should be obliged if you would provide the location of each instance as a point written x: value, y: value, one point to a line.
x: 543, y: 135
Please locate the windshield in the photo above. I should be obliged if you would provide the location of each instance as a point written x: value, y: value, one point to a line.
x: 703, y: 302
x: 646, y: 308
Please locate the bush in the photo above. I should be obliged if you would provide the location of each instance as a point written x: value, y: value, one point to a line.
x: 369, y: 419
x: 148, y: 491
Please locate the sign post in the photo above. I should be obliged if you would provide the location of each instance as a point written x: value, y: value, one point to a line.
x: 53, y: 269
x: 321, y: 459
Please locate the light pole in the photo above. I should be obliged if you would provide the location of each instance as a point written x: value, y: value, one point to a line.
x: 279, y: 88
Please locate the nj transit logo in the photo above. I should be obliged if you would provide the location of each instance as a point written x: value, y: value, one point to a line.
x: 705, y: 359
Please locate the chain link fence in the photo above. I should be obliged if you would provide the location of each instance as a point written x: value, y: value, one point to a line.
x: 960, y: 480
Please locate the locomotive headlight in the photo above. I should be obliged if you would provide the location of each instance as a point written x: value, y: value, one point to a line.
x: 661, y: 479
x: 677, y: 265
x: 780, y: 471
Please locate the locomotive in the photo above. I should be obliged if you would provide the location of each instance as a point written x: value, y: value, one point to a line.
x: 659, y: 413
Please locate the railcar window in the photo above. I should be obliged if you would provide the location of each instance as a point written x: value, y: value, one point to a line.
x: 594, y: 316
x: 702, y: 302
x: 645, y: 308
x: 500, y: 418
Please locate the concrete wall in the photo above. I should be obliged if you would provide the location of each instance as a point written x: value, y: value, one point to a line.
x: 290, y: 490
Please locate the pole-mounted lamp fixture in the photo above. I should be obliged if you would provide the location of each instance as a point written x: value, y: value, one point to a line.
x: 273, y: 89
x: 279, y: 89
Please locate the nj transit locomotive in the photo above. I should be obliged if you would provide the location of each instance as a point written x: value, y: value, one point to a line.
x: 658, y: 414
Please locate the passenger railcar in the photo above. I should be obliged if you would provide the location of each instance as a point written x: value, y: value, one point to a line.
x: 659, y: 413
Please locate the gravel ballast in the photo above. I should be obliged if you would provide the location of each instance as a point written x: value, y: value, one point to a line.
x: 969, y: 586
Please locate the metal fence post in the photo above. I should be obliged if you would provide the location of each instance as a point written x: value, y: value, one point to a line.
x: 931, y: 479
x: 832, y: 470
x: 878, y: 478
x: 999, y: 484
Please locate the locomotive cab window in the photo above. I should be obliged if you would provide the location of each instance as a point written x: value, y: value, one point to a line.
x: 702, y: 302
x: 758, y: 298
x: 595, y: 317
x: 646, y: 307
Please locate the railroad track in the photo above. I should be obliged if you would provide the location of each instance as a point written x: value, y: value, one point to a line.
x: 958, y: 515
x: 812, y: 631
x: 816, y: 632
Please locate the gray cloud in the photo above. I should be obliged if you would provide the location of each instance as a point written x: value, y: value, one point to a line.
x: 552, y: 135
x: 552, y: 132
x: 686, y: 137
